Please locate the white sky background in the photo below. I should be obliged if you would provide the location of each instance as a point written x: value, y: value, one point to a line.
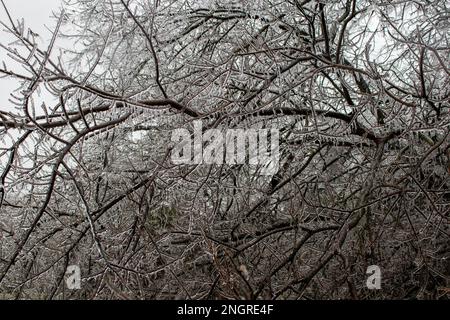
x: 37, y: 15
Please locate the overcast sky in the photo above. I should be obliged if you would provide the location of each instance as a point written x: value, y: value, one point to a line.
x: 37, y: 15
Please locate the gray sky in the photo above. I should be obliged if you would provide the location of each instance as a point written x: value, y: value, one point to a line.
x: 37, y: 15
